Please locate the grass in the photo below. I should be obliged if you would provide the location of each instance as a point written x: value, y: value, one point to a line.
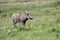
x: 44, y: 26
x: 5, y: 1
x: 17, y: 8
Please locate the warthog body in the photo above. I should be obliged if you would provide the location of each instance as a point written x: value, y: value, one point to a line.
x: 21, y: 18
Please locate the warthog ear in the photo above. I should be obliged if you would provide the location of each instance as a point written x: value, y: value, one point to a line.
x: 26, y: 12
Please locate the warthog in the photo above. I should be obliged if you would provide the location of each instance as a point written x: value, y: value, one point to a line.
x: 21, y: 18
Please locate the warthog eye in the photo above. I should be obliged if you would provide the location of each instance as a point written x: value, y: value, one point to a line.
x: 27, y: 14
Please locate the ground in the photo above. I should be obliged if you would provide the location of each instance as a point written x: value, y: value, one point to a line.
x: 44, y: 26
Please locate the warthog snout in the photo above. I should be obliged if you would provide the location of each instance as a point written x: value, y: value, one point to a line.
x: 28, y: 16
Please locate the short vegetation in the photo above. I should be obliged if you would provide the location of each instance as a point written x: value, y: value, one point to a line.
x: 44, y: 26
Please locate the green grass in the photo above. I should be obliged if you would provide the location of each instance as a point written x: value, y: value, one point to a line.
x: 16, y: 8
x: 44, y: 26
x: 5, y: 1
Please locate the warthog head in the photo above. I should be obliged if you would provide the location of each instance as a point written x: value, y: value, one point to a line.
x: 28, y: 16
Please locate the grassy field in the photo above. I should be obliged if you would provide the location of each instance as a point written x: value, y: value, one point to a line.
x: 44, y: 26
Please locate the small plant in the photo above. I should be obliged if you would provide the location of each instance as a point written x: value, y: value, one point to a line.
x: 3, y: 15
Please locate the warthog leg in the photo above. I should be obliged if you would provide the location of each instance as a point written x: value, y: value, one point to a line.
x: 23, y: 26
x: 14, y: 23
